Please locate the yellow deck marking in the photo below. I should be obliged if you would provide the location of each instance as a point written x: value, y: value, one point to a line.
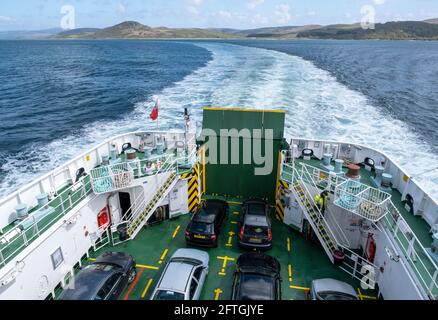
x: 236, y: 203
x: 236, y: 213
x: 224, y: 265
x: 290, y: 273
x: 299, y: 288
x: 141, y: 266
x: 146, y: 267
x: 359, y: 293
x: 230, y: 239
x: 175, y: 233
x: 234, y: 222
x: 288, y: 245
x: 218, y: 293
x: 163, y: 256
x: 145, y: 291
x: 363, y: 297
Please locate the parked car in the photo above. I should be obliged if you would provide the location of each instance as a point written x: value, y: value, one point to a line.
x: 206, y: 225
x: 183, y: 277
x: 104, y: 279
x: 256, y: 226
x: 330, y: 289
x: 257, y: 278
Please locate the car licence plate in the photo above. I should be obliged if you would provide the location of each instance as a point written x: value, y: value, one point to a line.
x: 255, y: 240
x: 198, y: 236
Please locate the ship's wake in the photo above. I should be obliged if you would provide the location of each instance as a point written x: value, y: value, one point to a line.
x: 318, y: 107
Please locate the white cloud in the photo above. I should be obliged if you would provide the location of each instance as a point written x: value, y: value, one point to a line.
x: 121, y: 8
x: 258, y: 19
x: 379, y: 2
x: 196, y: 3
x: 252, y: 4
x: 6, y: 19
x: 193, y: 10
x: 225, y: 14
x: 282, y: 12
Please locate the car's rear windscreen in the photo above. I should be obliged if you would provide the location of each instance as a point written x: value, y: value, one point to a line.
x: 256, y: 208
x: 256, y: 231
x: 201, y: 227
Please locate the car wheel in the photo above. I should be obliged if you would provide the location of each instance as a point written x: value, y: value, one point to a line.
x: 132, y: 275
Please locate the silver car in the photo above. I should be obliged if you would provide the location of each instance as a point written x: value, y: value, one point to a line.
x: 184, y: 276
x: 330, y: 289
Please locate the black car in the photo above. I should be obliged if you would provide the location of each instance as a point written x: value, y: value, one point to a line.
x: 206, y: 225
x: 255, y: 226
x: 257, y: 278
x: 104, y: 279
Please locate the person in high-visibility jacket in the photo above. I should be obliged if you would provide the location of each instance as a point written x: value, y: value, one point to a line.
x: 319, y: 200
x: 325, y: 198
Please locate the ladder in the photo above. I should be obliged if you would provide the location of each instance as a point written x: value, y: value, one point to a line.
x: 315, y: 218
x: 140, y: 219
x: 353, y: 263
x: 143, y: 208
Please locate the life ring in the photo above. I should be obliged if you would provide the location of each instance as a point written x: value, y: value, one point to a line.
x: 410, y: 202
x: 79, y: 174
x: 308, y: 153
x: 127, y: 146
x: 370, y: 162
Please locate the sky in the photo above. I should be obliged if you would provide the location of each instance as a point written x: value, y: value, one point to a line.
x: 240, y: 14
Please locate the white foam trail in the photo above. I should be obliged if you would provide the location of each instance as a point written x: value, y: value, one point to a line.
x: 318, y: 107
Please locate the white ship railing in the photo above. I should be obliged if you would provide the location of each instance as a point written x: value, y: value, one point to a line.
x: 362, y: 200
x: 27, y: 231
x: 112, y: 178
x: 424, y: 204
x: 413, y: 251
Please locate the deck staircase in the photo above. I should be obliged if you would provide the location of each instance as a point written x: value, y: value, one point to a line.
x: 354, y: 264
x: 139, y: 219
x: 144, y: 207
x: 422, y: 268
x: 315, y: 218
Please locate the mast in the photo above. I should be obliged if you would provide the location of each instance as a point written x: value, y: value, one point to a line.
x: 186, y: 131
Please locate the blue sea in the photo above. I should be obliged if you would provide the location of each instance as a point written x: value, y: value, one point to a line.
x: 59, y: 98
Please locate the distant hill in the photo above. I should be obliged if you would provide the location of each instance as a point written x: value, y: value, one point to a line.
x: 433, y: 21
x: 135, y: 30
x: 28, y: 35
x: 81, y: 32
x: 401, y: 30
x: 269, y: 32
x: 407, y: 30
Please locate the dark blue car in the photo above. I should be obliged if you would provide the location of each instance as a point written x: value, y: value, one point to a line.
x: 104, y: 279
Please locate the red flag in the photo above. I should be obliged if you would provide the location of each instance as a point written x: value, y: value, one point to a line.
x: 154, y: 114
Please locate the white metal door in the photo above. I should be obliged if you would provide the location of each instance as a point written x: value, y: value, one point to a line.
x: 114, y: 206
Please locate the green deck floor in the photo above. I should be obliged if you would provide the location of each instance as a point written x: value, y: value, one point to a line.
x: 307, y: 260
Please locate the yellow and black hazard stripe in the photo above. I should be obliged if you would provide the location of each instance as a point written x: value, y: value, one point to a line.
x: 193, y: 187
x: 279, y: 209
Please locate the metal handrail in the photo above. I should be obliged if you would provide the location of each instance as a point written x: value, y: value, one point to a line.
x: 392, y: 224
x: 23, y: 239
